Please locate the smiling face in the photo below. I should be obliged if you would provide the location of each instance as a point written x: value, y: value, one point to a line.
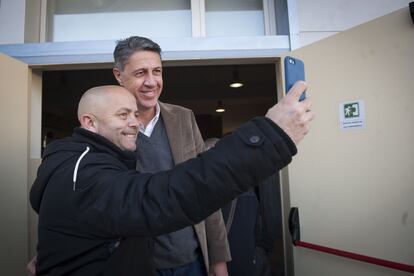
x: 111, y: 111
x: 118, y: 122
x: 142, y: 76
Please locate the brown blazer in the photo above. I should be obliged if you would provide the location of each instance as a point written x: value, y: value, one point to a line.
x: 185, y: 143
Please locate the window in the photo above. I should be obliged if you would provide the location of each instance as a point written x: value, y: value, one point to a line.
x: 77, y: 20
x: 234, y: 18
x: 80, y: 20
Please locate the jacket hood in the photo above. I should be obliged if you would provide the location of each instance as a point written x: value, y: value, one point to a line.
x: 72, y: 148
x: 53, y: 157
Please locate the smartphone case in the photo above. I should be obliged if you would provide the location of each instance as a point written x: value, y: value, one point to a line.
x: 294, y: 71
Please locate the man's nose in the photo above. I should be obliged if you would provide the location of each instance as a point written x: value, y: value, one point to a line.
x: 150, y: 80
x: 134, y: 122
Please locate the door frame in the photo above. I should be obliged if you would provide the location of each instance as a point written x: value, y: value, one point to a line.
x: 36, y: 126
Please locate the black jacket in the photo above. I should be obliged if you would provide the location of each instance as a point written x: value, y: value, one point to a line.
x: 89, y: 197
x: 255, y: 218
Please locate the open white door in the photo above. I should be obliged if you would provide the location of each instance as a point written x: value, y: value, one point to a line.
x: 355, y: 187
x: 14, y: 106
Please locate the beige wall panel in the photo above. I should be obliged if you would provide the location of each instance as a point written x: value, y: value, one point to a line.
x: 35, y: 149
x: 355, y: 188
x: 32, y: 216
x: 307, y: 38
x: 14, y: 79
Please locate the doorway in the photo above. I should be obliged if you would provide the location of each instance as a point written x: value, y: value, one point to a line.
x: 201, y: 89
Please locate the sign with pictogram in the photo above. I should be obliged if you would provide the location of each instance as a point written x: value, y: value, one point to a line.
x: 352, y: 115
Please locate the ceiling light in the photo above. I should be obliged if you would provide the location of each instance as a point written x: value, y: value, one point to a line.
x: 220, y: 108
x: 236, y: 83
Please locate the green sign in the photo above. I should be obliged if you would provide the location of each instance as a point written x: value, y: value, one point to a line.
x: 351, y: 110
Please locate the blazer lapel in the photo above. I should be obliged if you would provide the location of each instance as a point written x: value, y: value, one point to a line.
x: 173, y: 127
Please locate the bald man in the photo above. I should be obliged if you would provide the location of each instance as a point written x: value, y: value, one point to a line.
x: 90, y: 198
x: 111, y: 113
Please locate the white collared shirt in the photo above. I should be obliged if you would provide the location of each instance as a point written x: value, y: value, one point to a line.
x: 147, y: 131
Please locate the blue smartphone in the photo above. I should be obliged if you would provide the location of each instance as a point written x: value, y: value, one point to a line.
x: 294, y: 71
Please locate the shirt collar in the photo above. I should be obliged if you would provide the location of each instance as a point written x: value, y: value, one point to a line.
x: 147, y: 131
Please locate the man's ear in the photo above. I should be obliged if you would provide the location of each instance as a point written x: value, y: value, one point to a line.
x: 89, y: 122
x: 117, y: 75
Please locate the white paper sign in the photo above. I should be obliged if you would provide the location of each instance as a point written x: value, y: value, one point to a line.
x: 352, y: 115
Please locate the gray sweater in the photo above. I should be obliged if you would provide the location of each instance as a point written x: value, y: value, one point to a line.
x: 153, y: 155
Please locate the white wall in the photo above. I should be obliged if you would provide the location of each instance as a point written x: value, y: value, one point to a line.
x: 318, y: 19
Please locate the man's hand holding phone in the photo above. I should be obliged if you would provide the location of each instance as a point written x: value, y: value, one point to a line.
x: 292, y: 115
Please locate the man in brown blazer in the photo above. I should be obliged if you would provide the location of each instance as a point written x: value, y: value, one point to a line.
x: 168, y: 136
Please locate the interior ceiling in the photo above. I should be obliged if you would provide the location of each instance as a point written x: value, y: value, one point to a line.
x: 212, y: 82
x: 196, y: 87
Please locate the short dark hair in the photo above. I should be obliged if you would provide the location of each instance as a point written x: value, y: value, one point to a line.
x: 126, y: 47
